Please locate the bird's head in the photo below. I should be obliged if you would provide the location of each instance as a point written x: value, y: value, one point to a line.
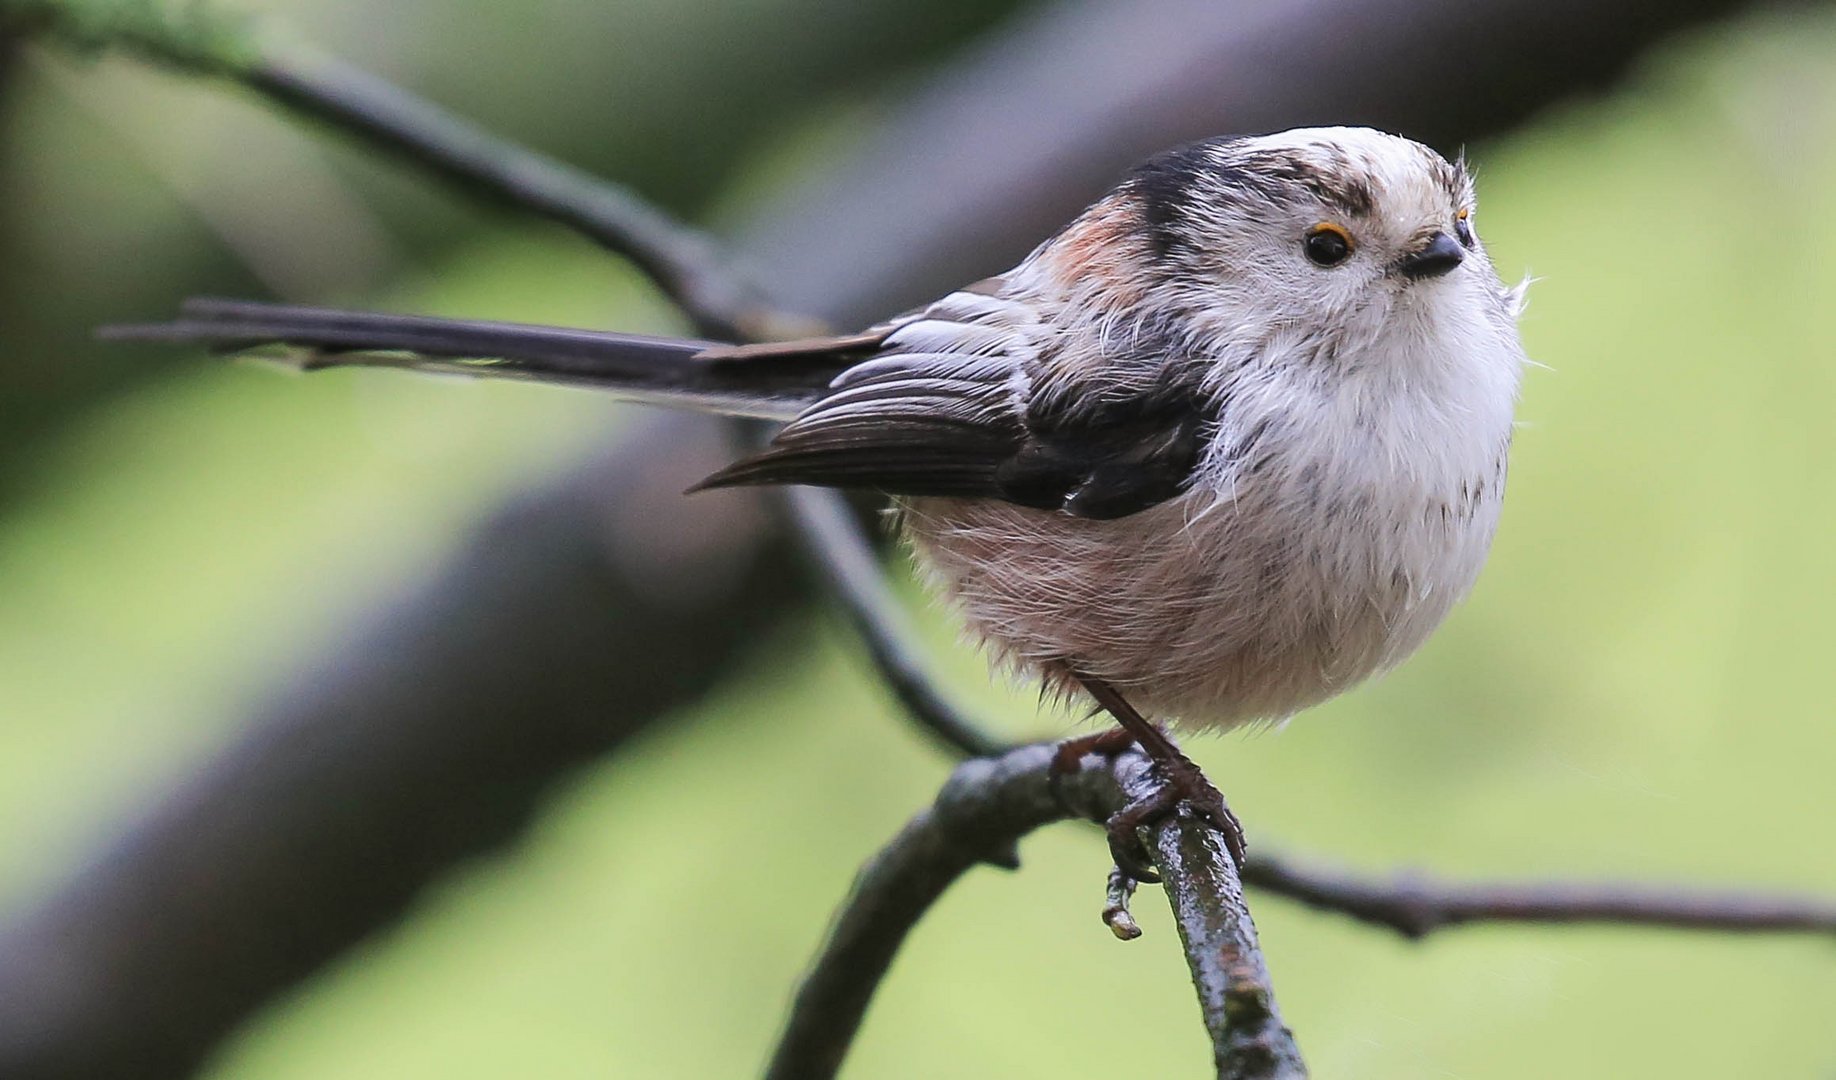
x: 1331, y: 236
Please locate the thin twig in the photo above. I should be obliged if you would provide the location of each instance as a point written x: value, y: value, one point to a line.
x: 835, y: 541
x: 682, y: 262
x: 1418, y: 906
x: 981, y: 814
x: 1200, y: 879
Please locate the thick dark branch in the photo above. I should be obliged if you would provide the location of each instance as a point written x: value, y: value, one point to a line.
x: 1029, y: 129
x: 1418, y: 906
x: 980, y: 816
x: 446, y: 731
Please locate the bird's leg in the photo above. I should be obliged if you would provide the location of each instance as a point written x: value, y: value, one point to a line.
x: 1181, y: 781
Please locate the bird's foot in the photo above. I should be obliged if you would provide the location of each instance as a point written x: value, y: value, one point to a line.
x: 1181, y: 782
x: 1106, y: 743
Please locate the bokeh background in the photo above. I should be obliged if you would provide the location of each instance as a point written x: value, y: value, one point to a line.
x: 1638, y: 689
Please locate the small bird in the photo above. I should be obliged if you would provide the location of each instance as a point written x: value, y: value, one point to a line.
x: 1230, y: 442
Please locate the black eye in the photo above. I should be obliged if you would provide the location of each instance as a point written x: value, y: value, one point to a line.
x: 1463, y: 227
x: 1327, y: 244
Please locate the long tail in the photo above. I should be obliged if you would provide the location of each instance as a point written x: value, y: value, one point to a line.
x: 661, y: 371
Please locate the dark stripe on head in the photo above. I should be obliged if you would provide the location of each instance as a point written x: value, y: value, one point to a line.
x: 1164, y: 185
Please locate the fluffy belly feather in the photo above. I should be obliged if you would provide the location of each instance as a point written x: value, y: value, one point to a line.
x: 1213, y: 609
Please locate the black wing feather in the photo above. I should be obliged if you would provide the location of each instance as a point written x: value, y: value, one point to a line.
x: 931, y: 426
x: 900, y: 432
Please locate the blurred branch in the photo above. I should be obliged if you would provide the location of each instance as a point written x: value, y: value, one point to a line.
x: 1025, y: 130
x: 984, y: 810
x: 435, y: 731
x: 844, y: 559
x: 674, y: 128
x: 432, y: 736
x: 1418, y: 906
x: 198, y: 39
x: 683, y: 263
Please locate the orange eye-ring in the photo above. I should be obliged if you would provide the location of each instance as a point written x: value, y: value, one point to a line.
x: 1328, y: 244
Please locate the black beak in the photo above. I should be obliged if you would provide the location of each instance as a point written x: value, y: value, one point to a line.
x: 1436, y: 258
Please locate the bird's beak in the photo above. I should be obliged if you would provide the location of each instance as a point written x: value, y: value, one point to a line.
x: 1435, y: 258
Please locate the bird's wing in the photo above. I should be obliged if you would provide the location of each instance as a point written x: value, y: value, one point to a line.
x: 964, y: 397
x: 956, y: 401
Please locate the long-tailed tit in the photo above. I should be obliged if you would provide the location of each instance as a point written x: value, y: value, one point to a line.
x: 1230, y: 442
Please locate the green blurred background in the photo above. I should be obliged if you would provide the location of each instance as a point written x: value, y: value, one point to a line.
x: 1638, y: 688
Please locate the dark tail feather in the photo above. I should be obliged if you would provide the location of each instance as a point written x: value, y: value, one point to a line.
x: 663, y: 371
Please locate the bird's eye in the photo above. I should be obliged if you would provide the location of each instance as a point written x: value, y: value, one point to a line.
x: 1463, y: 226
x: 1328, y: 244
